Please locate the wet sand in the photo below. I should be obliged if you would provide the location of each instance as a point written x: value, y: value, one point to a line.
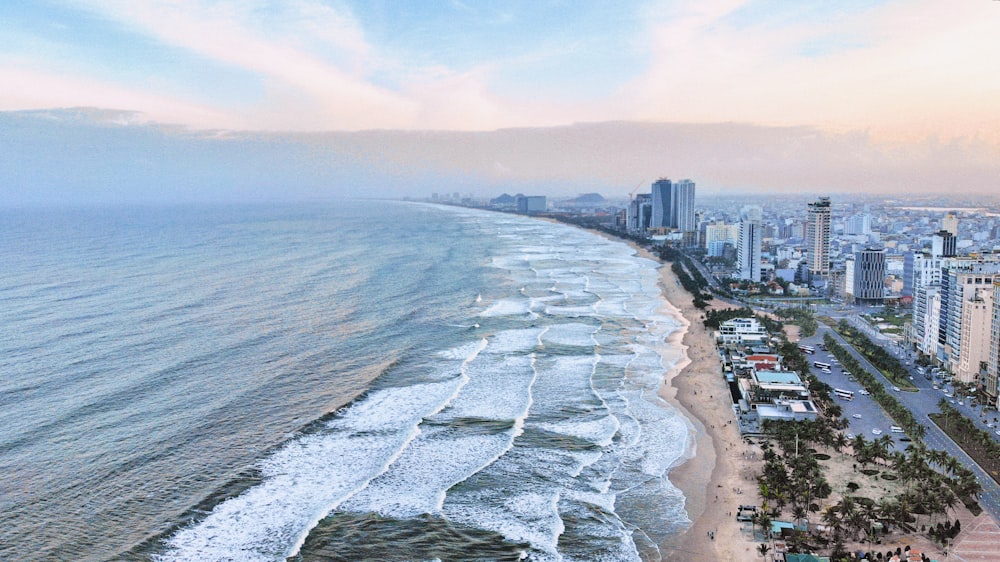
x: 719, y: 477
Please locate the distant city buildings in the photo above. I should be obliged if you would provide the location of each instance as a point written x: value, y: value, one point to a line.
x: 941, y: 267
x: 669, y: 207
x: 531, y: 204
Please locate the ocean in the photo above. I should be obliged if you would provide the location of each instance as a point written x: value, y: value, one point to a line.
x: 364, y: 380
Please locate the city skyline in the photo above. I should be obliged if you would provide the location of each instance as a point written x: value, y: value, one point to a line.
x: 889, y: 96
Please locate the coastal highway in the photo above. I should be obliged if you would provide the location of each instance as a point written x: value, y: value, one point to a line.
x: 922, y: 403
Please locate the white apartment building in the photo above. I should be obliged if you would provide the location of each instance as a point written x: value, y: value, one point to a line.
x: 977, y: 319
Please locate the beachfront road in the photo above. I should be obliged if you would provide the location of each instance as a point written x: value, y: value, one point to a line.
x: 922, y: 403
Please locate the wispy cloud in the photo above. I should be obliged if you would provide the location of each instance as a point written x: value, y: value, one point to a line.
x: 310, y: 88
x: 40, y: 89
x: 899, y: 69
x: 903, y: 69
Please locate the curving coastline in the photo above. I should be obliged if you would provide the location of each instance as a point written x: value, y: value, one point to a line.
x: 717, y: 476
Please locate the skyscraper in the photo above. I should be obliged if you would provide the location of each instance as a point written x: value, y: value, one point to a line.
x: 748, y: 247
x: 684, y: 220
x: 663, y: 203
x: 673, y: 205
x: 640, y: 212
x: 818, y: 237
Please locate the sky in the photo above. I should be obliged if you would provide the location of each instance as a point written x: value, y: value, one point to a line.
x: 103, y: 98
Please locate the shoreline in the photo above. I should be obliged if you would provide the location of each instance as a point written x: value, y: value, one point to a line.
x: 713, y: 477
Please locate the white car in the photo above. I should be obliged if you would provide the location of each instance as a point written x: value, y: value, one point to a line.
x: 876, y: 431
x: 896, y: 388
x: 863, y: 392
x: 856, y: 416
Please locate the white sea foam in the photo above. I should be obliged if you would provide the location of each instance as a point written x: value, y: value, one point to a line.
x: 309, y: 476
x: 520, y: 340
x: 478, y: 449
x: 507, y: 307
x: 571, y: 334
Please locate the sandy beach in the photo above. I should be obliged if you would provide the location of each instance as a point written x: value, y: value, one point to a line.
x: 720, y: 475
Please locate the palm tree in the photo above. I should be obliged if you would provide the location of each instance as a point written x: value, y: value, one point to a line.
x: 800, y: 513
x: 839, y: 442
x: 762, y: 548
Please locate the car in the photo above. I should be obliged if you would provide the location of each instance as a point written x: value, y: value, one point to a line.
x: 876, y: 431
x: 896, y: 388
x: 960, y: 403
x: 856, y: 416
x: 991, y: 425
x: 936, y: 387
x: 997, y: 432
x: 905, y: 439
x: 948, y: 394
x: 864, y: 392
x: 851, y: 435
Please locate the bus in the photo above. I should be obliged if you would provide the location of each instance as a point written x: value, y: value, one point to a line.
x: 807, y: 349
x: 843, y: 394
x: 819, y: 365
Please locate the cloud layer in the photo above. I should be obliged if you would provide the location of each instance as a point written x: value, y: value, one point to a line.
x: 89, y: 156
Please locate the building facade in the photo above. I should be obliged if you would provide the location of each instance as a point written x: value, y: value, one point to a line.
x: 818, y: 237
x: 993, y: 368
x: 960, y: 278
x: 748, y: 257
x: 717, y: 236
x: 977, y: 320
x: 869, y: 276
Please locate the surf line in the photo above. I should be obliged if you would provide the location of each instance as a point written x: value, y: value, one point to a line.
x: 322, y: 513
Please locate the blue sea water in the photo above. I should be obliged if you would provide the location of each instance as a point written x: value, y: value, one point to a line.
x: 354, y: 381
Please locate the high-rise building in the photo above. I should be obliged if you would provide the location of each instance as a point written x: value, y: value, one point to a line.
x: 960, y: 278
x: 640, y: 213
x: 818, y: 237
x: 673, y: 205
x: 859, y: 224
x: 663, y: 203
x: 685, y: 218
x: 993, y: 369
x: 869, y: 276
x: 717, y: 236
x: 944, y: 244
x: 748, y: 258
x: 977, y: 314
